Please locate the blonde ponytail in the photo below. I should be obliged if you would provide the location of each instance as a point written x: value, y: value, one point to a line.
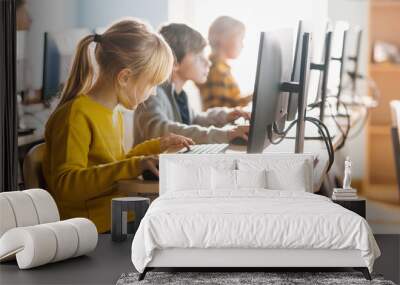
x: 81, y: 75
x: 129, y: 44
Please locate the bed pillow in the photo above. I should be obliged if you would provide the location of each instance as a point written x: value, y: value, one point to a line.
x: 297, y: 179
x: 223, y: 179
x: 229, y: 179
x: 251, y: 178
x: 293, y: 174
x: 184, y: 177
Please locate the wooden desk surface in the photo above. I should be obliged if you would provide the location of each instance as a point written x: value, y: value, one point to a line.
x: 316, y: 147
x: 36, y: 137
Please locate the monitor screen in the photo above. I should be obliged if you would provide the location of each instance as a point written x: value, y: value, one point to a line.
x: 269, y: 103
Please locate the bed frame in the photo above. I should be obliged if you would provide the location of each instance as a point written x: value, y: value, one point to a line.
x: 242, y: 259
x: 246, y: 258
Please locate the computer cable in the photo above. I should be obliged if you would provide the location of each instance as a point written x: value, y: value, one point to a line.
x: 362, y: 125
x: 314, y: 105
x: 371, y: 85
x: 326, y: 138
x: 346, y: 115
x: 322, y: 129
x: 348, y: 123
x: 282, y: 134
x: 364, y: 122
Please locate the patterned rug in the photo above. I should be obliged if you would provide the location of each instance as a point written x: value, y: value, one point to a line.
x: 243, y: 278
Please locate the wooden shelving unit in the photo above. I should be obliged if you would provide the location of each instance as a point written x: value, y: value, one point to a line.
x: 384, y: 25
x: 385, y: 68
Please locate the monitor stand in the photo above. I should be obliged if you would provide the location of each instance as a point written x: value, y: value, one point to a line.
x: 300, y: 88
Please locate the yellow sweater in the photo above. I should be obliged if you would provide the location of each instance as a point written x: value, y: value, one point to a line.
x: 84, y: 157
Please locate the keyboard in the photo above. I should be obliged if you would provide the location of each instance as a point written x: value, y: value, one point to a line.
x: 206, y: 149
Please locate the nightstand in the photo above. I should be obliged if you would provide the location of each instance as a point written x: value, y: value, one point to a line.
x: 119, y: 215
x: 357, y: 206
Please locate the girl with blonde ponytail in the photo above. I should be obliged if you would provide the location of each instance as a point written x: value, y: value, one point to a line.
x: 84, y: 154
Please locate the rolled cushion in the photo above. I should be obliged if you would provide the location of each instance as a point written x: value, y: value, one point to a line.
x: 67, y: 240
x: 87, y: 235
x: 26, y: 208
x: 23, y: 208
x: 7, y: 218
x: 37, y: 245
x: 45, y: 205
x: 33, y: 246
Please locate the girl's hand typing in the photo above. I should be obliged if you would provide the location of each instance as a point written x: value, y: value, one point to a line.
x: 173, y: 141
x: 149, y: 163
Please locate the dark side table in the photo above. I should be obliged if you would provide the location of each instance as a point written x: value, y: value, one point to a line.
x: 119, y: 215
x: 357, y: 206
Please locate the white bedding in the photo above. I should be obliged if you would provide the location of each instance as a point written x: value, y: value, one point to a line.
x: 251, y: 218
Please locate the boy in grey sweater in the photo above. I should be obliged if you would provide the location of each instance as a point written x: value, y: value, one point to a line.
x: 169, y: 111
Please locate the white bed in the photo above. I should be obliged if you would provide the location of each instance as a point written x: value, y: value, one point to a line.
x: 211, y: 226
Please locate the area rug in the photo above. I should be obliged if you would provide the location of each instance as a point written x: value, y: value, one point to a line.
x: 243, y: 278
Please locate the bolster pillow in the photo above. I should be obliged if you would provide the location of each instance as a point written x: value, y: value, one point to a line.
x: 26, y: 208
x: 40, y: 244
x: 31, y: 231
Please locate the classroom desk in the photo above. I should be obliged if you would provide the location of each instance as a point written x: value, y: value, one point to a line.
x: 36, y: 137
x: 316, y: 147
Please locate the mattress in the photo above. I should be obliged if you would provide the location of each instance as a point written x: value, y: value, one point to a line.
x: 250, y: 219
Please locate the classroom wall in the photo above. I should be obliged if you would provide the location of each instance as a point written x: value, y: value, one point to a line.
x: 265, y: 15
x: 58, y: 15
x: 100, y: 13
x: 47, y: 15
x: 356, y: 13
x: 53, y: 15
x: 257, y: 16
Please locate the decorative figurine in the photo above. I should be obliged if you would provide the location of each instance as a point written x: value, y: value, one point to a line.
x: 347, y: 174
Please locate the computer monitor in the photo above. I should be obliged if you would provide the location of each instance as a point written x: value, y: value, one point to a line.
x: 303, y: 27
x: 342, y: 66
x: 51, y: 68
x: 338, y: 66
x: 323, y: 67
x: 318, y: 73
x: 272, y: 85
x: 354, y: 75
x: 21, y: 61
x: 59, y: 50
x: 268, y: 103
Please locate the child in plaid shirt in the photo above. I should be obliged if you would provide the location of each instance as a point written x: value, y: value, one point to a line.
x: 226, y: 40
